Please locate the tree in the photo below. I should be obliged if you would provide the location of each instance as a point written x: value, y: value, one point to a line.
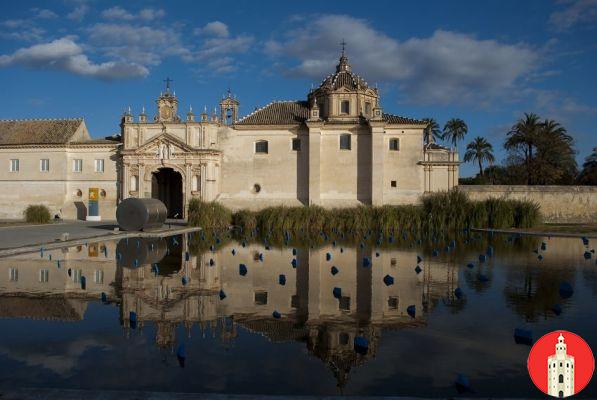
x: 454, y: 130
x: 432, y: 131
x: 522, y: 141
x: 479, y: 150
x: 588, y: 175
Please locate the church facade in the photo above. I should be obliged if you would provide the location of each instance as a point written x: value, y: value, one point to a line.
x: 336, y: 148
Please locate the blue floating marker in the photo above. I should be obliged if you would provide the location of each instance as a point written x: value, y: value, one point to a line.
x: 362, y: 245
x: 294, y: 252
x: 244, y: 244
x: 556, y: 309
x: 328, y: 256
x: 587, y: 255
x: 155, y: 269
x: 388, y: 280
x: 282, y: 279
x: 233, y: 252
x: 69, y: 272
x: 222, y: 294
x: 50, y: 257
x: 334, y: 270
x: 523, y: 336
x: 133, y: 320
x: 540, y: 257
x: 458, y: 293
x: 276, y: 315
x: 419, y: 259
x: 187, y: 256
x: 411, y: 310
x: 566, y: 290
x: 211, y: 262
x: 181, y: 355
x: 418, y: 269
x: 242, y: 269
x: 361, y: 345
x: 212, y: 248
x: 83, y: 283
x: 58, y: 263
x: 470, y: 265
x: 260, y: 256
x: 543, y: 246
x: 104, y: 298
x: 337, y: 292
x: 184, y: 280
x: 462, y: 383
x: 334, y: 243
x: 366, y: 262
x: 136, y: 263
x: 341, y: 249
x: 435, y: 253
x: 294, y: 262
x: 482, y: 258
x: 585, y: 241
x: 377, y: 254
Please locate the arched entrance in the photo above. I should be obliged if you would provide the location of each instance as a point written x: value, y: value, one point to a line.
x: 166, y: 185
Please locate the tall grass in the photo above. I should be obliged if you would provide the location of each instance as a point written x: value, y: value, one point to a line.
x: 438, y: 213
x: 37, y: 214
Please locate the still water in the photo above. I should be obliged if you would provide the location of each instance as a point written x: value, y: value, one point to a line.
x: 230, y: 317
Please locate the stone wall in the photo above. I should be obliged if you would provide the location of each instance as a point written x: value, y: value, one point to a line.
x: 559, y: 204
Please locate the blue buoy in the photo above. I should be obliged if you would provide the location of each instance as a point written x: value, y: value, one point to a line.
x: 587, y: 255
x: 388, y: 280
x: 294, y: 263
x: 155, y: 269
x: 419, y: 259
x: 540, y: 257
x: 334, y: 270
x: 242, y: 269
x: 523, y: 336
x: 543, y: 246
x: 181, y: 355
x: 328, y: 256
x: 337, y: 292
x: 184, y: 280
x: 458, y: 293
x: 366, y: 262
x: 462, y: 383
x: 411, y: 310
x: 58, y: 263
x: 211, y: 262
x: 222, y: 294
x: 585, y: 241
x: 104, y: 298
x: 556, y: 309
x: 282, y: 279
x: 361, y: 345
x: 482, y: 258
x: 83, y: 283
x: 294, y: 252
x: 187, y: 256
x: 470, y: 265
x: 233, y: 252
x: 133, y: 320
x: 435, y: 253
x: 276, y: 315
x: 418, y: 269
x: 260, y: 256
x: 566, y: 290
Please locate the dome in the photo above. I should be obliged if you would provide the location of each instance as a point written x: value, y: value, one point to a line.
x: 343, y: 77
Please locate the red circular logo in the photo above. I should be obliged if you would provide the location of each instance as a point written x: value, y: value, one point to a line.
x: 561, y: 364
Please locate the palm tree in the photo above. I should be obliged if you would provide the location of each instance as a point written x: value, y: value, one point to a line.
x: 524, y: 136
x: 454, y: 130
x: 432, y: 131
x: 479, y: 150
x: 588, y: 175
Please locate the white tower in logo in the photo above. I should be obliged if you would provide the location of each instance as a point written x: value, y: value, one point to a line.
x: 560, y: 371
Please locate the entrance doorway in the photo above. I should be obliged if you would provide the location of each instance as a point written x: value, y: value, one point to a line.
x: 166, y: 185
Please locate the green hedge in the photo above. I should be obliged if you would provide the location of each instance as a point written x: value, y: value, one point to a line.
x: 439, y: 212
x: 38, y: 214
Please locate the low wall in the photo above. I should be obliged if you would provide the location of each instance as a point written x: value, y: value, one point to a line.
x: 559, y: 204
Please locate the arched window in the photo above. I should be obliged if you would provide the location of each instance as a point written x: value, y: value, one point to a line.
x: 345, y: 141
x: 134, y: 183
x: 367, y: 108
x: 261, y: 147
x: 394, y: 144
x: 196, y: 183
x: 561, y: 378
x: 344, y: 107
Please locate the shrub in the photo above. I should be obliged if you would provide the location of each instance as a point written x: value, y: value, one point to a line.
x: 38, y: 214
x: 209, y: 215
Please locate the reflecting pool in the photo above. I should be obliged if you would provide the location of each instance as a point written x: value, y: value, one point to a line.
x: 200, y: 314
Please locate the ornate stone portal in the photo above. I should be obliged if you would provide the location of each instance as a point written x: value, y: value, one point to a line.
x: 169, y: 159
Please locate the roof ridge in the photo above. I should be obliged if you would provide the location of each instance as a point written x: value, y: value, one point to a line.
x: 266, y: 106
x: 41, y: 119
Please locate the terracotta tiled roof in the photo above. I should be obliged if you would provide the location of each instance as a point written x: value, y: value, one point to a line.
x: 49, y: 308
x: 395, y: 119
x: 278, y: 113
x: 41, y: 131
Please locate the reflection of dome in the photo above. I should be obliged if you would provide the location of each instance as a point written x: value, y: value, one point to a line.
x: 165, y: 335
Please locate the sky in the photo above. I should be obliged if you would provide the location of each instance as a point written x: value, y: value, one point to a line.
x: 487, y: 62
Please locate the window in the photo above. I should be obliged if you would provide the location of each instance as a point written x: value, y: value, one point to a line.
x: 256, y: 188
x: 77, y: 165
x: 394, y: 144
x: 13, y: 274
x: 344, y: 303
x: 134, y: 183
x: 261, y: 298
x: 261, y: 147
x: 393, y: 303
x: 343, y: 338
x: 44, y: 165
x: 44, y: 275
x: 196, y: 183
x: 77, y: 273
x: 98, y: 277
x: 344, y: 107
x: 296, y: 144
x: 394, y: 184
x: 561, y: 379
x: 99, y: 165
x: 14, y: 165
x: 345, y: 141
x: 367, y: 108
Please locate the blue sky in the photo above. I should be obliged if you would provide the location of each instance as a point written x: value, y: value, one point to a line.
x: 485, y: 62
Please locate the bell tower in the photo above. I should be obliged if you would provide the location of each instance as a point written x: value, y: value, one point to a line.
x: 167, y: 105
x: 229, y: 109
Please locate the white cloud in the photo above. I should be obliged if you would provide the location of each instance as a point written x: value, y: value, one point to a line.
x: 574, y: 12
x: 79, y: 12
x: 214, y: 28
x: 21, y: 29
x: 66, y: 55
x: 44, y: 13
x: 119, y: 13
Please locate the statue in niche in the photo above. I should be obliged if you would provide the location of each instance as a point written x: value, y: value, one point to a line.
x: 164, y: 151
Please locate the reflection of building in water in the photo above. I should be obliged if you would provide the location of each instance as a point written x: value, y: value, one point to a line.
x: 47, y: 285
x: 161, y: 282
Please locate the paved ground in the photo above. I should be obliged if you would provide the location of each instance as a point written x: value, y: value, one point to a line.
x: 27, y: 235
